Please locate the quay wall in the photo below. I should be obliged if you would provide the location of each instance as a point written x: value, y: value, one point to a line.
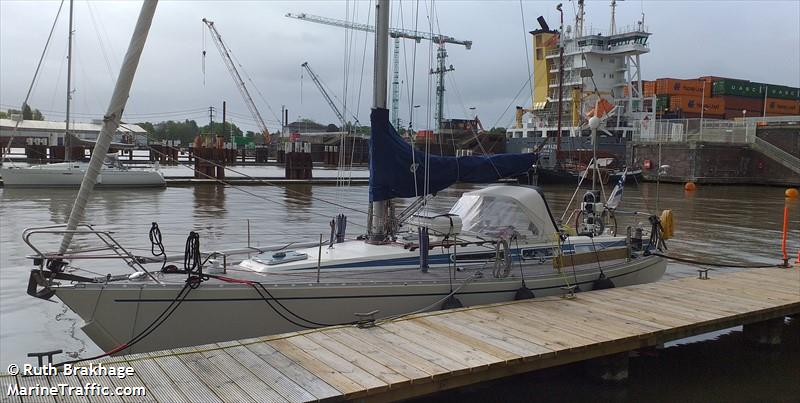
x: 713, y: 163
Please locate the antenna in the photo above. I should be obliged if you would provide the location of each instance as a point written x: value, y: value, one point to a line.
x: 613, y: 29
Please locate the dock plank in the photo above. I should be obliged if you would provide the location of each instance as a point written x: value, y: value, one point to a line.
x: 6, y: 382
x: 288, y: 369
x: 319, y: 368
x: 429, y: 352
x: 362, y: 361
x: 184, y: 379
x: 33, y: 381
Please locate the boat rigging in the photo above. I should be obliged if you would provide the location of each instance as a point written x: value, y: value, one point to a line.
x: 398, y: 34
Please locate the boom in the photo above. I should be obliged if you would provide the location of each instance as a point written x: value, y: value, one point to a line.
x: 325, y: 95
x: 225, y: 52
x: 394, y: 32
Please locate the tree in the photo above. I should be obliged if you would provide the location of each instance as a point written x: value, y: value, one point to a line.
x: 3, y: 115
x: 497, y: 130
x: 31, y: 114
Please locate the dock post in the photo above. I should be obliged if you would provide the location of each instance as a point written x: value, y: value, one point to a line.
x: 766, y: 333
x: 610, y: 368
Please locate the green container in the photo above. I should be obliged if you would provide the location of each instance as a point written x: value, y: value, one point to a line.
x: 662, y: 103
x: 737, y: 88
x: 782, y: 92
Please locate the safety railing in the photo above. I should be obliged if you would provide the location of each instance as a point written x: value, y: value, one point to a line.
x: 105, y: 237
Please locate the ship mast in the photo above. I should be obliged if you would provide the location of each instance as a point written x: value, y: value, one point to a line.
x: 613, y: 29
x: 560, y: 79
x: 67, y: 143
x: 111, y: 119
x: 579, y: 19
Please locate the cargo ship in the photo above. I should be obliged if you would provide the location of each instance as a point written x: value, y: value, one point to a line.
x: 574, y: 69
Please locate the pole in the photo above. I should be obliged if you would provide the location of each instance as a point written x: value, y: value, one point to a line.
x: 111, y: 119
x: 560, y: 80
x: 594, y: 159
x: 702, y: 108
x: 766, y: 88
x: 378, y: 209
x: 785, y: 233
x: 67, y: 143
x: 224, y: 111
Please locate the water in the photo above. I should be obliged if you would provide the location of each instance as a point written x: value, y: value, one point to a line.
x: 715, y: 222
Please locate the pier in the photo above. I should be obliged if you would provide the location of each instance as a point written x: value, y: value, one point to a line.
x: 430, y: 352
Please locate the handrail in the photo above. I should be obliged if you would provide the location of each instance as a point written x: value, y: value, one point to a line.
x: 105, y: 236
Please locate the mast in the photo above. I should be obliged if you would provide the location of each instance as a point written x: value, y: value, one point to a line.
x: 111, y: 119
x: 67, y: 143
x: 560, y: 79
x: 579, y: 19
x: 613, y: 29
x: 378, y: 209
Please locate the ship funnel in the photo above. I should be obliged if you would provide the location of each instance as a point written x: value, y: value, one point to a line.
x: 543, y: 23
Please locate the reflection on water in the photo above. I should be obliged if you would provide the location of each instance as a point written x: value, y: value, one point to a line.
x: 714, y: 223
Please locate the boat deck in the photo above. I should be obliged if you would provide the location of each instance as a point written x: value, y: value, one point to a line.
x: 434, y: 351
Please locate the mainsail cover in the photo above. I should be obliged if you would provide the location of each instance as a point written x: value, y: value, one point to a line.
x: 390, y: 165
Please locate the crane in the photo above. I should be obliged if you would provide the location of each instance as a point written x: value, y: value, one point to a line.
x: 225, y: 52
x: 325, y: 95
x: 397, y: 34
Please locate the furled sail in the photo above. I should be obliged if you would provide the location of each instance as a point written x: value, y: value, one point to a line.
x: 391, y: 173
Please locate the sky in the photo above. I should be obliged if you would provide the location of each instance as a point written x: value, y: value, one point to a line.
x: 753, y: 40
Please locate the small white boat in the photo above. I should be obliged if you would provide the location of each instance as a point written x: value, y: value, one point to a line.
x: 70, y: 174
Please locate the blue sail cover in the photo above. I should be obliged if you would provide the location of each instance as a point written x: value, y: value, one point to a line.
x: 390, y: 163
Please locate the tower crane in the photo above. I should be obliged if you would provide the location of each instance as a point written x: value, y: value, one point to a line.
x: 325, y: 94
x: 225, y: 52
x: 397, y: 34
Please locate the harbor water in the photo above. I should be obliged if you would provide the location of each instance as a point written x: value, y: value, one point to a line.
x: 714, y: 223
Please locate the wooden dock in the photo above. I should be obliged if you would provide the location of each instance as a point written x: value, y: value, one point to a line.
x: 435, y: 351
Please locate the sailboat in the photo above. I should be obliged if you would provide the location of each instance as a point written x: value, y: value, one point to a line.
x: 71, y: 173
x: 498, y: 243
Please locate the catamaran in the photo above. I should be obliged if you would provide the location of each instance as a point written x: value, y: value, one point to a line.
x: 498, y: 243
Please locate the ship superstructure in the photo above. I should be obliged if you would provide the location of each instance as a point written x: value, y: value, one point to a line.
x: 595, y: 64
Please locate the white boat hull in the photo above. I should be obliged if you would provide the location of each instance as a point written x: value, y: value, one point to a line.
x: 115, y: 313
x: 72, y: 177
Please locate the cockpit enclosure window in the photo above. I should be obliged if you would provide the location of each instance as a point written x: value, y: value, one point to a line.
x: 495, y: 217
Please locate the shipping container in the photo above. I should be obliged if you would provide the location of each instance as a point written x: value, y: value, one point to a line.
x: 671, y: 86
x: 737, y: 113
x: 753, y: 106
x: 739, y: 88
x: 649, y: 88
x: 690, y: 104
x: 713, y: 78
x: 662, y: 103
x: 782, y: 92
x: 783, y: 106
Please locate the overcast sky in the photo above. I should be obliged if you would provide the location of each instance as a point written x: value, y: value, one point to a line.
x: 754, y: 40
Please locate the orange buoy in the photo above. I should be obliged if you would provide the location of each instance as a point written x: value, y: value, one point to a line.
x: 791, y: 193
x: 689, y: 187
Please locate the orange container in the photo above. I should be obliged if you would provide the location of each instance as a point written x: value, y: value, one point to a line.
x: 777, y: 106
x: 671, y: 86
x: 649, y: 88
x: 691, y: 104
